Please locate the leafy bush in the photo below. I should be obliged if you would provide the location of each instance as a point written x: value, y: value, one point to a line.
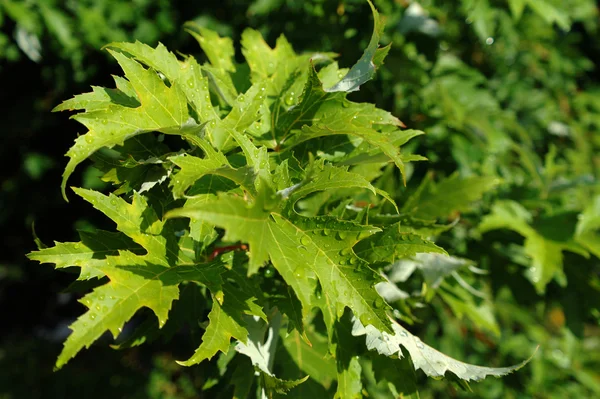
x: 510, y: 188
x: 273, y: 155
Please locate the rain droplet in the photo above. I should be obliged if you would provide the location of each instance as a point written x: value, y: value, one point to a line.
x: 326, y: 232
x: 299, y: 272
x: 92, y: 316
x: 305, y: 240
x: 113, y: 201
x: 89, y: 139
x: 419, y: 343
x: 403, y: 333
x: 353, y: 261
x: 378, y: 303
x: 489, y: 41
x: 98, y: 308
x: 104, y: 121
x: 101, y: 297
x: 342, y: 235
x: 289, y: 100
x: 241, y: 98
x: 345, y: 251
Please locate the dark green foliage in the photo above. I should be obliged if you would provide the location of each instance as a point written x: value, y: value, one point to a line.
x: 506, y: 93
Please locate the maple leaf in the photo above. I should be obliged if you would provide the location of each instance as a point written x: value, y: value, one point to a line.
x: 161, y: 108
x: 136, y: 279
x: 424, y: 357
x: 545, y: 252
x: 304, y: 251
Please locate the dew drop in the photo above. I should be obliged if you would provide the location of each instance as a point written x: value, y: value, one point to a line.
x: 98, y: 308
x: 305, y: 240
x: 419, y: 343
x: 378, y: 303
x: 120, y: 329
x: 299, y: 272
x: 289, y: 100
x: 353, y: 261
x: 241, y: 98
x: 345, y: 251
x: 101, y: 297
x: 342, y: 235
x: 92, y: 316
x: 342, y: 262
x: 88, y: 139
x: 403, y: 333
x: 113, y: 201
x: 104, y: 121
x: 326, y: 232
x: 191, y: 83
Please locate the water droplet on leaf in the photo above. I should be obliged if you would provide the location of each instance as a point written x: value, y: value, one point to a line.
x: 342, y: 235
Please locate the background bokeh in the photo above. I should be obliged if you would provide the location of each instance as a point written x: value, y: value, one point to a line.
x: 506, y: 89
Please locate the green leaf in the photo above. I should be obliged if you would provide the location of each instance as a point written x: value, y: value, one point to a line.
x: 89, y: 254
x: 364, y: 69
x: 433, y: 363
x: 587, y: 232
x: 438, y: 200
x: 221, y: 328
x: 313, y: 359
x: 394, y: 242
x: 288, y: 241
x: 516, y: 8
x: 162, y: 109
x: 349, y: 369
x: 261, y: 352
x: 546, y: 254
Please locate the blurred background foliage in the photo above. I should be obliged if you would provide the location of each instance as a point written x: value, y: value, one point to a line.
x: 504, y: 89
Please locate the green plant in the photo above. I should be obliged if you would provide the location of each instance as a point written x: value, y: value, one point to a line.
x: 271, y: 200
